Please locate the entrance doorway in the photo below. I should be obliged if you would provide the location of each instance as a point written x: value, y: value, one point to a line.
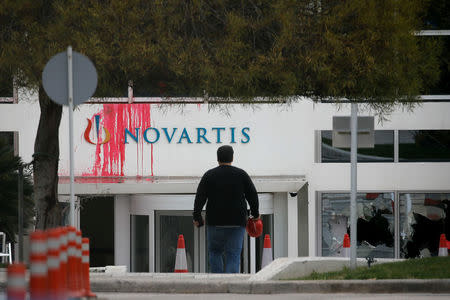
x: 99, y: 230
x: 156, y: 221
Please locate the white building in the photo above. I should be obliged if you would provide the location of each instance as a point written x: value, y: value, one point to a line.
x: 137, y: 187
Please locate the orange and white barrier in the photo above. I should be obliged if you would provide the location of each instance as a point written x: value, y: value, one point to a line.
x: 16, y: 287
x: 79, y: 272
x: 55, y: 291
x: 85, y: 266
x: 443, y: 251
x: 267, y: 257
x: 38, y: 265
x: 180, y: 260
x: 59, y: 267
x: 346, y: 246
x: 63, y: 260
x: 72, y: 270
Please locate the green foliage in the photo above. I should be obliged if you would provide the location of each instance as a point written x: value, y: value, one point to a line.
x: 8, y: 192
x: 358, y: 49
x: 423, y: 268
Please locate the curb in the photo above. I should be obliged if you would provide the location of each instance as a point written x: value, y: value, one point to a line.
x: 272, y: 287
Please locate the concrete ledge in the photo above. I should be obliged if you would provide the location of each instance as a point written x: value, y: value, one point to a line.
x: 171, y: 276
x: 272, y: 287
x: 290, y: 268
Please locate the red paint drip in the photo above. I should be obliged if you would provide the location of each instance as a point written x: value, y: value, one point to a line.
x: 110, y: 157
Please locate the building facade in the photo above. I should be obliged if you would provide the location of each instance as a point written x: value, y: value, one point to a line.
x: 137, y: 167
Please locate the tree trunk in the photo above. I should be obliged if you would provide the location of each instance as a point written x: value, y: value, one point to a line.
x: 46, y: 158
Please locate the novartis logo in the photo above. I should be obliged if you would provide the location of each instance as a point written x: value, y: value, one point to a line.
x: 87, y: 132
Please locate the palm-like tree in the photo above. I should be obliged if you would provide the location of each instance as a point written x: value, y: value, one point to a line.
x: 9, y: 165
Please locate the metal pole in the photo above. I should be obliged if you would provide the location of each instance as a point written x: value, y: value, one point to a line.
x: 70, y: 96
x: 20, y: 212
x: 353, y: 148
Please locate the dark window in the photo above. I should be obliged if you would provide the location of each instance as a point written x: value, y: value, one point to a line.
x: 140, y: 246
x: 375, y: 224
x: 441, y: 84
x: 437, y: 15
x: 382, y: 152
x: 424, y: 145
x: 6, y: 85
x: 423, y: 218
x: 7, y: 138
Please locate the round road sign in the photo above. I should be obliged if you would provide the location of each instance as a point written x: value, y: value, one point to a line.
x: 54, y: 78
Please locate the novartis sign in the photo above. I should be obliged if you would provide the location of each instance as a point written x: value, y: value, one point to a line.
x: 198, y: 135
x: 152, y: 135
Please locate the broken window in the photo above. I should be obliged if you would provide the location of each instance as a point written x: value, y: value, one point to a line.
x: 375, y: 224
x: 423, y: 218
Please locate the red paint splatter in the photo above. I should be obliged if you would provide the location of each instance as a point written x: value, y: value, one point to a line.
x: 110, y: 157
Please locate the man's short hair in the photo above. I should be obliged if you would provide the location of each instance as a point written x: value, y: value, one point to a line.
x: 225, y: 154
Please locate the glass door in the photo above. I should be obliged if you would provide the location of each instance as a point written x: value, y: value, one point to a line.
x: 169, y: 225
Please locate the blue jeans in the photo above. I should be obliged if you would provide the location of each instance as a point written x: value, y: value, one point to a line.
x: 228, y: 241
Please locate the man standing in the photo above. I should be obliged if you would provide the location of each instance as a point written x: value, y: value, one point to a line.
x: 226, y: 188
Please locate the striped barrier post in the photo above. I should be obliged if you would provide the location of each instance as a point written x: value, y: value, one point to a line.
x: 53, y: 264
x: 79, y: 269
x: 16, y: 287
x: 72, y: 278
x: 38, y: 265
x: 63, y: 259
x: 85, y: 265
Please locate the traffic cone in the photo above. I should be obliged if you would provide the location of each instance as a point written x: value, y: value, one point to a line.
x: 346, y: 246
x: 16, y: 287
x: 85, y: 265
x: 63, y: 259
x: 79, y: 267
x: 267, y: 252
x: 443, y: 246
x: 180, y: 260
x: 38, y: 265
x: 72, y: 274
x: 53, y: 264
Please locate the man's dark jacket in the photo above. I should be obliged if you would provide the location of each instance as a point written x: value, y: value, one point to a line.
x: 226, y: 188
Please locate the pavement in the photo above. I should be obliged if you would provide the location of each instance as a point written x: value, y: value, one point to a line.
x: 141, y: 296
x: 116, y: 282
x: 138, y: 296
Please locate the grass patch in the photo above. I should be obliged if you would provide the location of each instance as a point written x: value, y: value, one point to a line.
x: 423, y: 268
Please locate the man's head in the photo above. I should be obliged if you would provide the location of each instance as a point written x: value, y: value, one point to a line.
x: 225, y: 154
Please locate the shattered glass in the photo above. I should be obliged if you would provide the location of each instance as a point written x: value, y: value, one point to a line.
x: 375, y: 224
x: 423, y: 218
